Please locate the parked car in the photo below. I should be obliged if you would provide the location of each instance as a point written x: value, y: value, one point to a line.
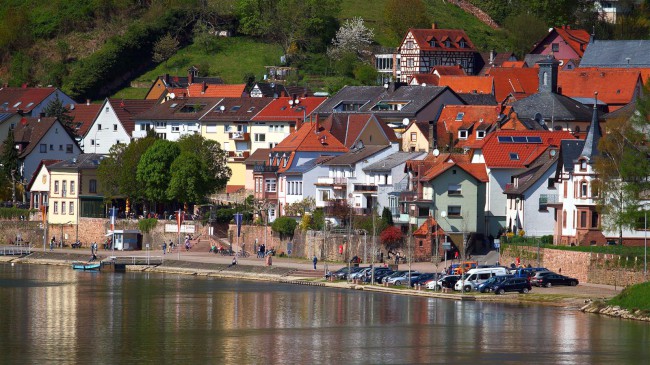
x: 379, y: 276
x: 557, y: 279
x: 535, y: 279
x: 359, y: 274
x: 344, y: 274
x: 470, y: 281
x: 488, y: 286
x: 394, y: 274
x: 519, y: 284
x: 464, y: 267
x: 336, y: 274
x: 447, y: 281
x: 527, y: 272
x: 421, y: 279
x: 378, y: 270
x: 403, y: 278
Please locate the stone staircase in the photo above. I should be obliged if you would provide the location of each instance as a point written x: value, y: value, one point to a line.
x: 307, y: 273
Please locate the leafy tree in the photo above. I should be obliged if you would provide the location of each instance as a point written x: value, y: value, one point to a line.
x: 366, y: 74
x: 224, y: 215
x: 9, y: 161
x: 203, y: 35
x: 400, y: 15
x: 352, y: 38
x: 317, y: 220
x: 300, y: 207
x: 188, y: 180
x: 153, y: 171
x: 391, y: 237
x: 305, y: 222
x: 55, y: 108
x: 285, y: 226
x: 21, y: 69
x: 164, y: 48
x: 524, y: 30
x: 387, y: 216
x: 216, y: 172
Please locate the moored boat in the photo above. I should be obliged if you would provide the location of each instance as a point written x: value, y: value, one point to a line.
x: 86, y: 265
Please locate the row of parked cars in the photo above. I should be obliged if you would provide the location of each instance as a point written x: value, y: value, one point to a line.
x: 484, y: 279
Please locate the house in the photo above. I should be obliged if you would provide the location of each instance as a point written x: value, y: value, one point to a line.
x: 369, y: 128
x: 164, y: 85
x: 461, y: 126
x: 616, y: 88
x: 229, y: 122
x: 507, y: 153
x: 422, y: 49
x: 496, y: 59
x: 30, y: 101
x: 428, y: 241
x: 43, y: 138
x: 83, y: 116
x: 529, y: 196
x: 419, y: 136
x: 609, y: 9
x: 620, y: 53
x: 387, y: 64
x: 513, y: 83
x: 173, y: 119
x: 115, y: 123
x: 274, y: 90
x: 74, y: 190
x: 259, y: 157
x: 468, y: 84
x: 563, y: 43
x: 39, y: 185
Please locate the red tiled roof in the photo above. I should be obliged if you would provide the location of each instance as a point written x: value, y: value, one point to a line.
x: 645, y: 72
x: 577, y: 39
x: 476, y: 170
x: 84, y: 115
x: 127, y: 109
x: 468, y: 84
x: 306, y: 139
x: 14, y: 95
x: 216, y: 90
x: 613, y: 87
x: 347, y: 127
x: 513, y: 64
x: 280, y: 109
x: 429, y: 79
x: 474, y: 116
x: 522, y: 82
x: 448, y: 70
x: 423, y: 36
x: 426, y: 226
x: 518, y: 155
x: 234, y: 188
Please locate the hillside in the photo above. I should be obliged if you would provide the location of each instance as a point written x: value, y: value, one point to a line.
x: 76, y: 45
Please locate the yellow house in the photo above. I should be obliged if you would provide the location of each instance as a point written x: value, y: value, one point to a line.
x: 416, y: 137
x: 73, y: 190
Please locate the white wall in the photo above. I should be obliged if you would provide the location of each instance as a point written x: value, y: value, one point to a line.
x: 112, y: 131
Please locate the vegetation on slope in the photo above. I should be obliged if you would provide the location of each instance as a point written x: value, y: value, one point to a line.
x: 633, y: 298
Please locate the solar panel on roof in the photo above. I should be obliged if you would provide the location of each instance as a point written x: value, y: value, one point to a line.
x: 518, y: 139
x: 534, y: 139
x: 505, y: 139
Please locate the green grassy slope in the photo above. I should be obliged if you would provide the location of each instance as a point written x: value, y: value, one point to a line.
x: 635, y: 297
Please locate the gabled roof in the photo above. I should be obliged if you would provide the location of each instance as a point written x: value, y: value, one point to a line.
x: 468, y: 84
x: 45, y: 163
x: 518, y: 149
x: 127, y: 109
x: 84, y: 115
x: 518, y: 81
x: 478, y: 99
x: 358, y: 94
x: 394, y: 160
x: 13, y: 99
x: 355, y: 155
x: 613, y: 87
x: 179, y: 109
x: 308, y: 139
x: 633, y: 53
x: 279, y: 109
x: 533, y: 173
x: 183, y: 81
x: 271, y: 89
x: 347, y: 127
x: 424, y: 36
x: 84, y: 161
x: 199, y: 90
x: 306, y: 166
x: 260, y: 156
x: 552, y: 106
x: 30, y: 131
x: 425, y: 79
x: 577, y: 39
x: 448, y: 70
x: 476, y: 170
x: 428, y: 226
x: 466, y: 117
x: 570, y: 151
x: 235, y: 109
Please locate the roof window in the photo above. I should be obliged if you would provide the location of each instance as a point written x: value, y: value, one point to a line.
x: 460, y: 116
x: 18, y: 103
x: 514, y: 156
x: 235, y: 108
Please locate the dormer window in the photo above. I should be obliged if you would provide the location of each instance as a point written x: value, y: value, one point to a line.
x: 461, y: 44
x: 583, y: 165
x: 462, y: 134
x: 447, y: 43
x: 480, y: 134
x: 432, y: 43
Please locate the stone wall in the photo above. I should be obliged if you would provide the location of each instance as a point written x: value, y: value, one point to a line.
x: 587, y: 267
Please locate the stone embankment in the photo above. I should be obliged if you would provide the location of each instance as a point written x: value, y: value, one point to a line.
x: 615, y: 311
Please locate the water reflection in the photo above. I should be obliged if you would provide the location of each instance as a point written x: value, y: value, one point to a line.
x: 54, y: 314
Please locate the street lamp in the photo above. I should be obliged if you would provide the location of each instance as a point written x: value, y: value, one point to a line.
x: 645, y: 241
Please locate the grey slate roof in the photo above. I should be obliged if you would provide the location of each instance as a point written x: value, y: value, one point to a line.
x: 590, y: 148
x: 396, y: 159
x: 355, y: 155
x: 478, y: 99
x: 551, y: 106
x: 310, y: 164
x: 531, y: 59
x: 616, y: 54
x: 532, y: 174
x: 83, y: 161
x: 570, y: 151
x: 625, y: 112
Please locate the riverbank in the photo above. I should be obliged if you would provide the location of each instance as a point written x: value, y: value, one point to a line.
x: 301, y: 272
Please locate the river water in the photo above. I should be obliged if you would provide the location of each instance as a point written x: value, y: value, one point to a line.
x: 54, y: 315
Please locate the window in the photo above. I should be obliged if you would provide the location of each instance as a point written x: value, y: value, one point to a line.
x: 324, y: 195
x: 454, y: 189
x: 56, y: 207
x: 161, y: 135
x: 414, y: 136
x: 555, y: 47
x: 583, y: 219
x: 211, y: 128
x: 71, y: 209
x: 460, y: 116
x: 545, y: 79
x: 72, y: 187
x: 421, y: 244
x: 299, y: 187
x: 160, y: 124
x: 64, y: 188
x: 60, y: 147
x: 62, y: 207
x: 409, y: 45
x: 514, y: 156
x: 447, y: 43
x: 453, y: 210
x: 564, y: 219
x: 583, y: 165
x: 56, y: 187
x: 43, y: 148
x: 543, y: 202
x: 51, y: 147
x: 99, y: 127
x: 260, y: 137
x: 432, y: 43
x: 594, y: 219
x: 114, y: 127
x: 68, y: 148
x: 462, y: 43
x: 92, y: 186
x: 176, y: 128
x: 480, y: 134
x: 583, y: 189
x: 271, y: 185
x: 551, y: 183
x: 462, y: 134
x: 106, y: 109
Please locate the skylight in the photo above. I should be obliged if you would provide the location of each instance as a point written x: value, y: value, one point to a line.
x: 514, y: 156
x: 460, y: 116
x: 235, y: 108
x: 251, y: 109
x: 18, y: 103
x: 30, y: 104
x: 174, y: 105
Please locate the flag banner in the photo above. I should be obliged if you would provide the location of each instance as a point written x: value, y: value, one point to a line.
x: 113, y: 215
x: 179, y: 220
x: 238, y: 220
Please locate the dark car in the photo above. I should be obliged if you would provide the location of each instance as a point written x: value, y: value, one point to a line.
x: 422, y: 278
x: 521, y: 285
x: 343, y: 275
x: 528, y: 272
x: 448, y: 281
x: 338, y: 273
x: 379, y: 276
x: 557, y: 279
x: 379, y: 271
x: 489, y: 284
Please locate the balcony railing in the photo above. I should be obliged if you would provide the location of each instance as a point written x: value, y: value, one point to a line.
x: 239, y: 136
x: 264, y: 168
x: 365, y: 188
x: 238, y: 155
x: 326, y: 180
x: 410, y: 196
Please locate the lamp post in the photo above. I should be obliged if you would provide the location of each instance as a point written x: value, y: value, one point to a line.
x: 645, y: 241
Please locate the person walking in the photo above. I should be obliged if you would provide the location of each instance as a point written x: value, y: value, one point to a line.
x: 164, y: 247
x: 315, y: 261
x: 52, y: 241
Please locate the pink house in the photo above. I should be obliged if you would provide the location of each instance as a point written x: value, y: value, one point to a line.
x: 563, y: 43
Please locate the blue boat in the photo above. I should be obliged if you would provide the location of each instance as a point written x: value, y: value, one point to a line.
x: 86, y: 265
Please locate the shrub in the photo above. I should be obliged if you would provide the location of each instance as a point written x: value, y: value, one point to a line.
x: 147, y: 225
x: 285, y: 226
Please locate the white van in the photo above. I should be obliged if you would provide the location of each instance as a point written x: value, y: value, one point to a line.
x: 473, y: 277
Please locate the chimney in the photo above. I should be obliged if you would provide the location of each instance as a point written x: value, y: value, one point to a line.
x: 190, y: 77
x: 548, y: 74
x: 87, y: 101
x: 298, y: 123
x: 492, y: 57
x: 203, y: 87
x: 41, y: 115
x: 166, y: 79
x: 434, y: 25
x: 432, y: 135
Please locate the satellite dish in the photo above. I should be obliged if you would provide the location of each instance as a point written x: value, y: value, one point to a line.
x: 436, y: 152
x: 222, y: 107
x: 424, y: 84
x: 553, y: 152
x: 405, y: 121
x: 172, y: 96
x: 291, y: 102
x: 443, y: 214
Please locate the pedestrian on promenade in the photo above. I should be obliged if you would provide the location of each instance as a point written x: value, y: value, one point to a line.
x: 170, y: 246
x: 234, y: 261
x: 164, y: 247
x: 52, y: 241
x: 397, y: 259
x: 315, y: 261
x: 269, y: 260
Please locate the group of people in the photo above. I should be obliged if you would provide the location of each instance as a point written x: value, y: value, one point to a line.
x: 167, y: 248
x: 261, y: 251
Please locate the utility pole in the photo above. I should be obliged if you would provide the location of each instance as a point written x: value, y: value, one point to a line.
x: 372, y: 272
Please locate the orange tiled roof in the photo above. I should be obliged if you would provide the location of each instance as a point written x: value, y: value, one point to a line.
x: 500, y: 154
x: 429, y: 79
x: 448, y: 70
x: 577, y: 39
x: 468, y: 84
x: 28, y: 97
x: 521, y: 82
x: 645, y: 72
x: 280, y: 109
x: 84, y: 115
x: 306, y: 139
x: 513, y: 64
x: 426, y: 226
x: 424, y: 36
x: 473, y: 117
x: 613, y: 87
x: 216, y: 90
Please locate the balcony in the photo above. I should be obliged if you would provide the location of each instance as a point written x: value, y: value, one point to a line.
x: 365, y: 188
x: 410, y: 196
x: 239, y: 136
x: 260, y: 169
x: 326, y: 180
x: 548, y: 199
x: 238, y: 155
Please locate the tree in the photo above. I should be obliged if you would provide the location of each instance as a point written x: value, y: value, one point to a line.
x: 164, y: 48
x: 216, y: 172
x: 300, y: 207
x: 387, y: 216
x: 391, y: 237
x: 524, y: 30
x: 203, y: 35
x: 400, y: 15
x: 317, y: 220
x: 154, y: 169
x: 352, y: 38
x: 55, y: 108
x: 188, y: 182
x: 10, y: 163
x: 285, y: 226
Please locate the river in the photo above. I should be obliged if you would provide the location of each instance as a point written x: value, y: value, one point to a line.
x: 54, y: 315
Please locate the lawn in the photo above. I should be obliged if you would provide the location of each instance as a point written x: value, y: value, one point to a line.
x: 634, y: 298
x: 131, y: 93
